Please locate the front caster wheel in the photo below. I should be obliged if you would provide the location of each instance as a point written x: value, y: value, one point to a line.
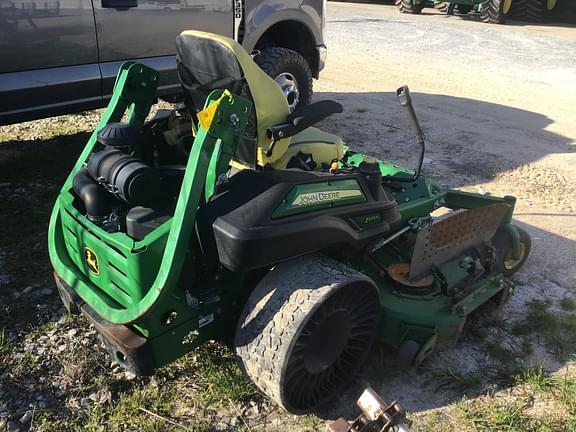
x: 306, y: 330
x: 505, y: 260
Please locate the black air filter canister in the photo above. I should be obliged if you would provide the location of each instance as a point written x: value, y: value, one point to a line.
x: 127, y: 177
x: 122, y: 136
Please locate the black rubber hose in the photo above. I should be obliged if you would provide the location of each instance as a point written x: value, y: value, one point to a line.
x: 92, y: 195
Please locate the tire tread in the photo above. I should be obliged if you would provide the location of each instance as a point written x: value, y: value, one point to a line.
x: 271, y: 61
x: 275, y: 312
x: 406, y: 6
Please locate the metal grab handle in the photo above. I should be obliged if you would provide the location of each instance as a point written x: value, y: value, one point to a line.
x: 405, y: 100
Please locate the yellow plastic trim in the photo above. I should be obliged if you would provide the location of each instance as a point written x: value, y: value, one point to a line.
x: 237, y: 165
x: 323, y: 146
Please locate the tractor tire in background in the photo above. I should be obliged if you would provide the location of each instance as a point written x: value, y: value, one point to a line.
x: 533, y: 10
x: 441, y: 7
x: 291, y: 71
x: 463, y: 9
x: 495, y: 11
x: 406, y: 6
x: 306, y: 331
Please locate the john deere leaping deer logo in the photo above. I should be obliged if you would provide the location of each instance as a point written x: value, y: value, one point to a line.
x: 91, y: 261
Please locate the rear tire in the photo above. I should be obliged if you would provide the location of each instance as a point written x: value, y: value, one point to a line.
x: 406, y: 6
x: 285, y: 63
x: 495, y: 11
x: 306, y: 330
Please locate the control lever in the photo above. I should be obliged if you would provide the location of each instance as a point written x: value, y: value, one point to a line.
x: 395, y: 181
x: 405, y: 100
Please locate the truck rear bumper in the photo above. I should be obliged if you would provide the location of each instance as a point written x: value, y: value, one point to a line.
x: 321, y: 53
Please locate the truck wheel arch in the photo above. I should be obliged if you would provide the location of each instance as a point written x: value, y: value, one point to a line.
x: 291, y: 34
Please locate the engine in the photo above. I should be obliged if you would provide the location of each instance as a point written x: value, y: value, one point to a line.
x: 131, y: 181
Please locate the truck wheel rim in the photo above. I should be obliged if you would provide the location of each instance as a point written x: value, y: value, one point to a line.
x: 507, y: 6
x: 331, y: 347
x: 289, y: 86
x: 509, y: 262
x: 551, y: 4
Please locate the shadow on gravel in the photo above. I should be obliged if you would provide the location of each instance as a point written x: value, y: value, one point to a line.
x: 468, y: 141
x: 31, y: 175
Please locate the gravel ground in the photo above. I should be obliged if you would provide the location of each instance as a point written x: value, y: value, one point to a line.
x: 497, y: 105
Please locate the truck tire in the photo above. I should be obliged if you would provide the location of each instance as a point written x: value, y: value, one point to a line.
x: 306, y: 330
x: 406, y: 6
x: 495, y: 11
x: 291, y: 71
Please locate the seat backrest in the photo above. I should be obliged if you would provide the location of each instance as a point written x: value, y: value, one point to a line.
x: 207, y: 62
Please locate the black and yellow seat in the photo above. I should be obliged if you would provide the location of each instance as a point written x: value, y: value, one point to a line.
x: 275, y: 138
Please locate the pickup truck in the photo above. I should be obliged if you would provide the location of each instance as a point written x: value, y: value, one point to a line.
x: 62, y: 56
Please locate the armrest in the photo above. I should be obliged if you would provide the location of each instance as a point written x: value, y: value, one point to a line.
x: 302, y: 118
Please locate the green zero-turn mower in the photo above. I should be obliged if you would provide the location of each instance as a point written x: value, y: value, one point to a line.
x: 231, y: 218
x: 491, y: 11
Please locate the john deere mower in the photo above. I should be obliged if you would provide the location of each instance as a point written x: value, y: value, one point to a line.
x: 491, y: 11
x: 231, y: 218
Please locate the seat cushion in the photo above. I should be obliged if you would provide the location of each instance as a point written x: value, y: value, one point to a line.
x: 323, y: 147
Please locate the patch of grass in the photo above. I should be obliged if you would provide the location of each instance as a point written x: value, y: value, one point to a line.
x: 220, y: 378
x: 500, y: 416
x: 526, y: 347
x: 508, y: 362
x: 466, y: 381
x: 489, y: 415
x: 437, y: 421
x: 536, y: 377
x: 500, y: 354
x: 26, y: 364
x: 3, y: 339
x: 148, y: 408
x: 311, y: 423
x: 553, y: 410
x: 568, y: 304
x: 566, y: 386
x: 558, y: 328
